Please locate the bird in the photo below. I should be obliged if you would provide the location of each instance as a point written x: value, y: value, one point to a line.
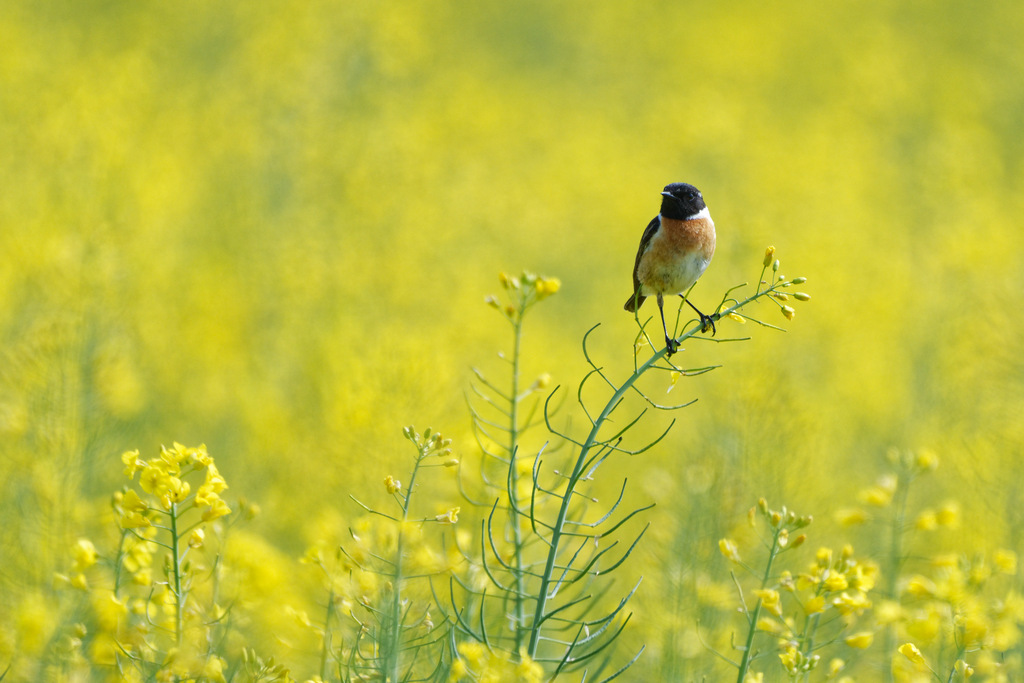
x: 674, y: 252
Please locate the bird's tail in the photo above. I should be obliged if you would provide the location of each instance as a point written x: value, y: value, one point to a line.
x: 634, y: 302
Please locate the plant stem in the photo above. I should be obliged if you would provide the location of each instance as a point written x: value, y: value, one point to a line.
x: 393, y: 630
x: 896, y: 554
x: 563, y: 511
x: 327, y: 634
x: 179, y: 599
x: 752, y: 627
x: 513, y: 446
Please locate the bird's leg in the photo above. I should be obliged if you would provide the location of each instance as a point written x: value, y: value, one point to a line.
x: 706, y: 321
x: 670, y: 344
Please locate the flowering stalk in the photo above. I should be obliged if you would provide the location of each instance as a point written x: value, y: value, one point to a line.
x: 594, y: 448
x: 176, y: 570
x: 523, y: 292
x: 394, y: 638
x: 752, y: 617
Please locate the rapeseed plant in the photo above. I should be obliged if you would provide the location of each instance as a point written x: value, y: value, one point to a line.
x: 152, y: 608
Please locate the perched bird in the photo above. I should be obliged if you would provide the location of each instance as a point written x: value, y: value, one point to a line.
x: 674, y: 252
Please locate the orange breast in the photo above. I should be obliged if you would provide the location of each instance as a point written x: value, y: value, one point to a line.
x: 677, y: 255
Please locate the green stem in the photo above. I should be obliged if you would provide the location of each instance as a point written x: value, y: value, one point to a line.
x: 327, y: 634
x: 554, y: 545
x: 896, y: 555
x: 752, y: 627
x: 179, y: 599
x: 119, y: 561
x: 393, y: 632
x: 513, y: 445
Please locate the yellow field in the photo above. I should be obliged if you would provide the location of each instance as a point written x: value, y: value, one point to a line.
x: 270, y: 228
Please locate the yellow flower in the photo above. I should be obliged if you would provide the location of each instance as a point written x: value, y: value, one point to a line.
x: 211, y: 487
x: 109, y: 610
x: 132, y: 463
x: 861, y: 640
x: 177, y: 492
x: 862, y: 577
x: 541, y: 383
x: 132, y: 509
x: 789, y: 312
x: 392, y: 485
x: 963, y: 668
x: 218, y: 509
x: 1005, y: 561
x: 851, y: 516
x: 851, y: 604
x: 888, y: 612
x: 546, y: 286
x: 835, y: 666
x: 199, y: 457
x: 458, y: 671
x: 528, y: 671
x: 790, y: 659
x: 926, y: 625
x: 213, y: 669
x: 449, y: 517
x: 84, y: 554
x: 154, y: 478
x: 927, y: 520
x: 881, y: 494
x: 910, y: 651
x: 174, y: 456
x: 974, y: 628
x: 728, y: 548
x: 770, y: 600
x: 920, y: 586
x: 507, y: 281
x: 836, y: 581
x: 673, y: 379
x: 815, y: 605
x: 927, y: 460
x: 769, y: 256
x: 949, y: 514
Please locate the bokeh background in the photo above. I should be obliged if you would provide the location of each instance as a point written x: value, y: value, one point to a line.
x: 269, y: 227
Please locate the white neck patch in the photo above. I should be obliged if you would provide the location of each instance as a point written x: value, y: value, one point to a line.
x: 703, y: 213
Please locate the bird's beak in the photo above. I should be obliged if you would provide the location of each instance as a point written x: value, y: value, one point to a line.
x: 669, y: 195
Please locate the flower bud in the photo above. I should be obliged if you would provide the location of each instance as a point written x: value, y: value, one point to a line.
x: 769, y: 254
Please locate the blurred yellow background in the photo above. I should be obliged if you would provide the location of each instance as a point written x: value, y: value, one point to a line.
x: 270, y: 226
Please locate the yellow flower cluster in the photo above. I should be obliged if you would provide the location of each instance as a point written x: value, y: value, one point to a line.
x: 164, y: 479
x: 480, y: 664
x: 821, y: 604
x: 523, y: 291
x: 150, y: 628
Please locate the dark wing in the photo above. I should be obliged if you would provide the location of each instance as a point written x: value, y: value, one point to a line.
x: 649, y: 233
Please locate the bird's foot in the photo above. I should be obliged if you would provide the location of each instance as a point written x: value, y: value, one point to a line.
x: 671, y: 345
x: 707, y: 321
